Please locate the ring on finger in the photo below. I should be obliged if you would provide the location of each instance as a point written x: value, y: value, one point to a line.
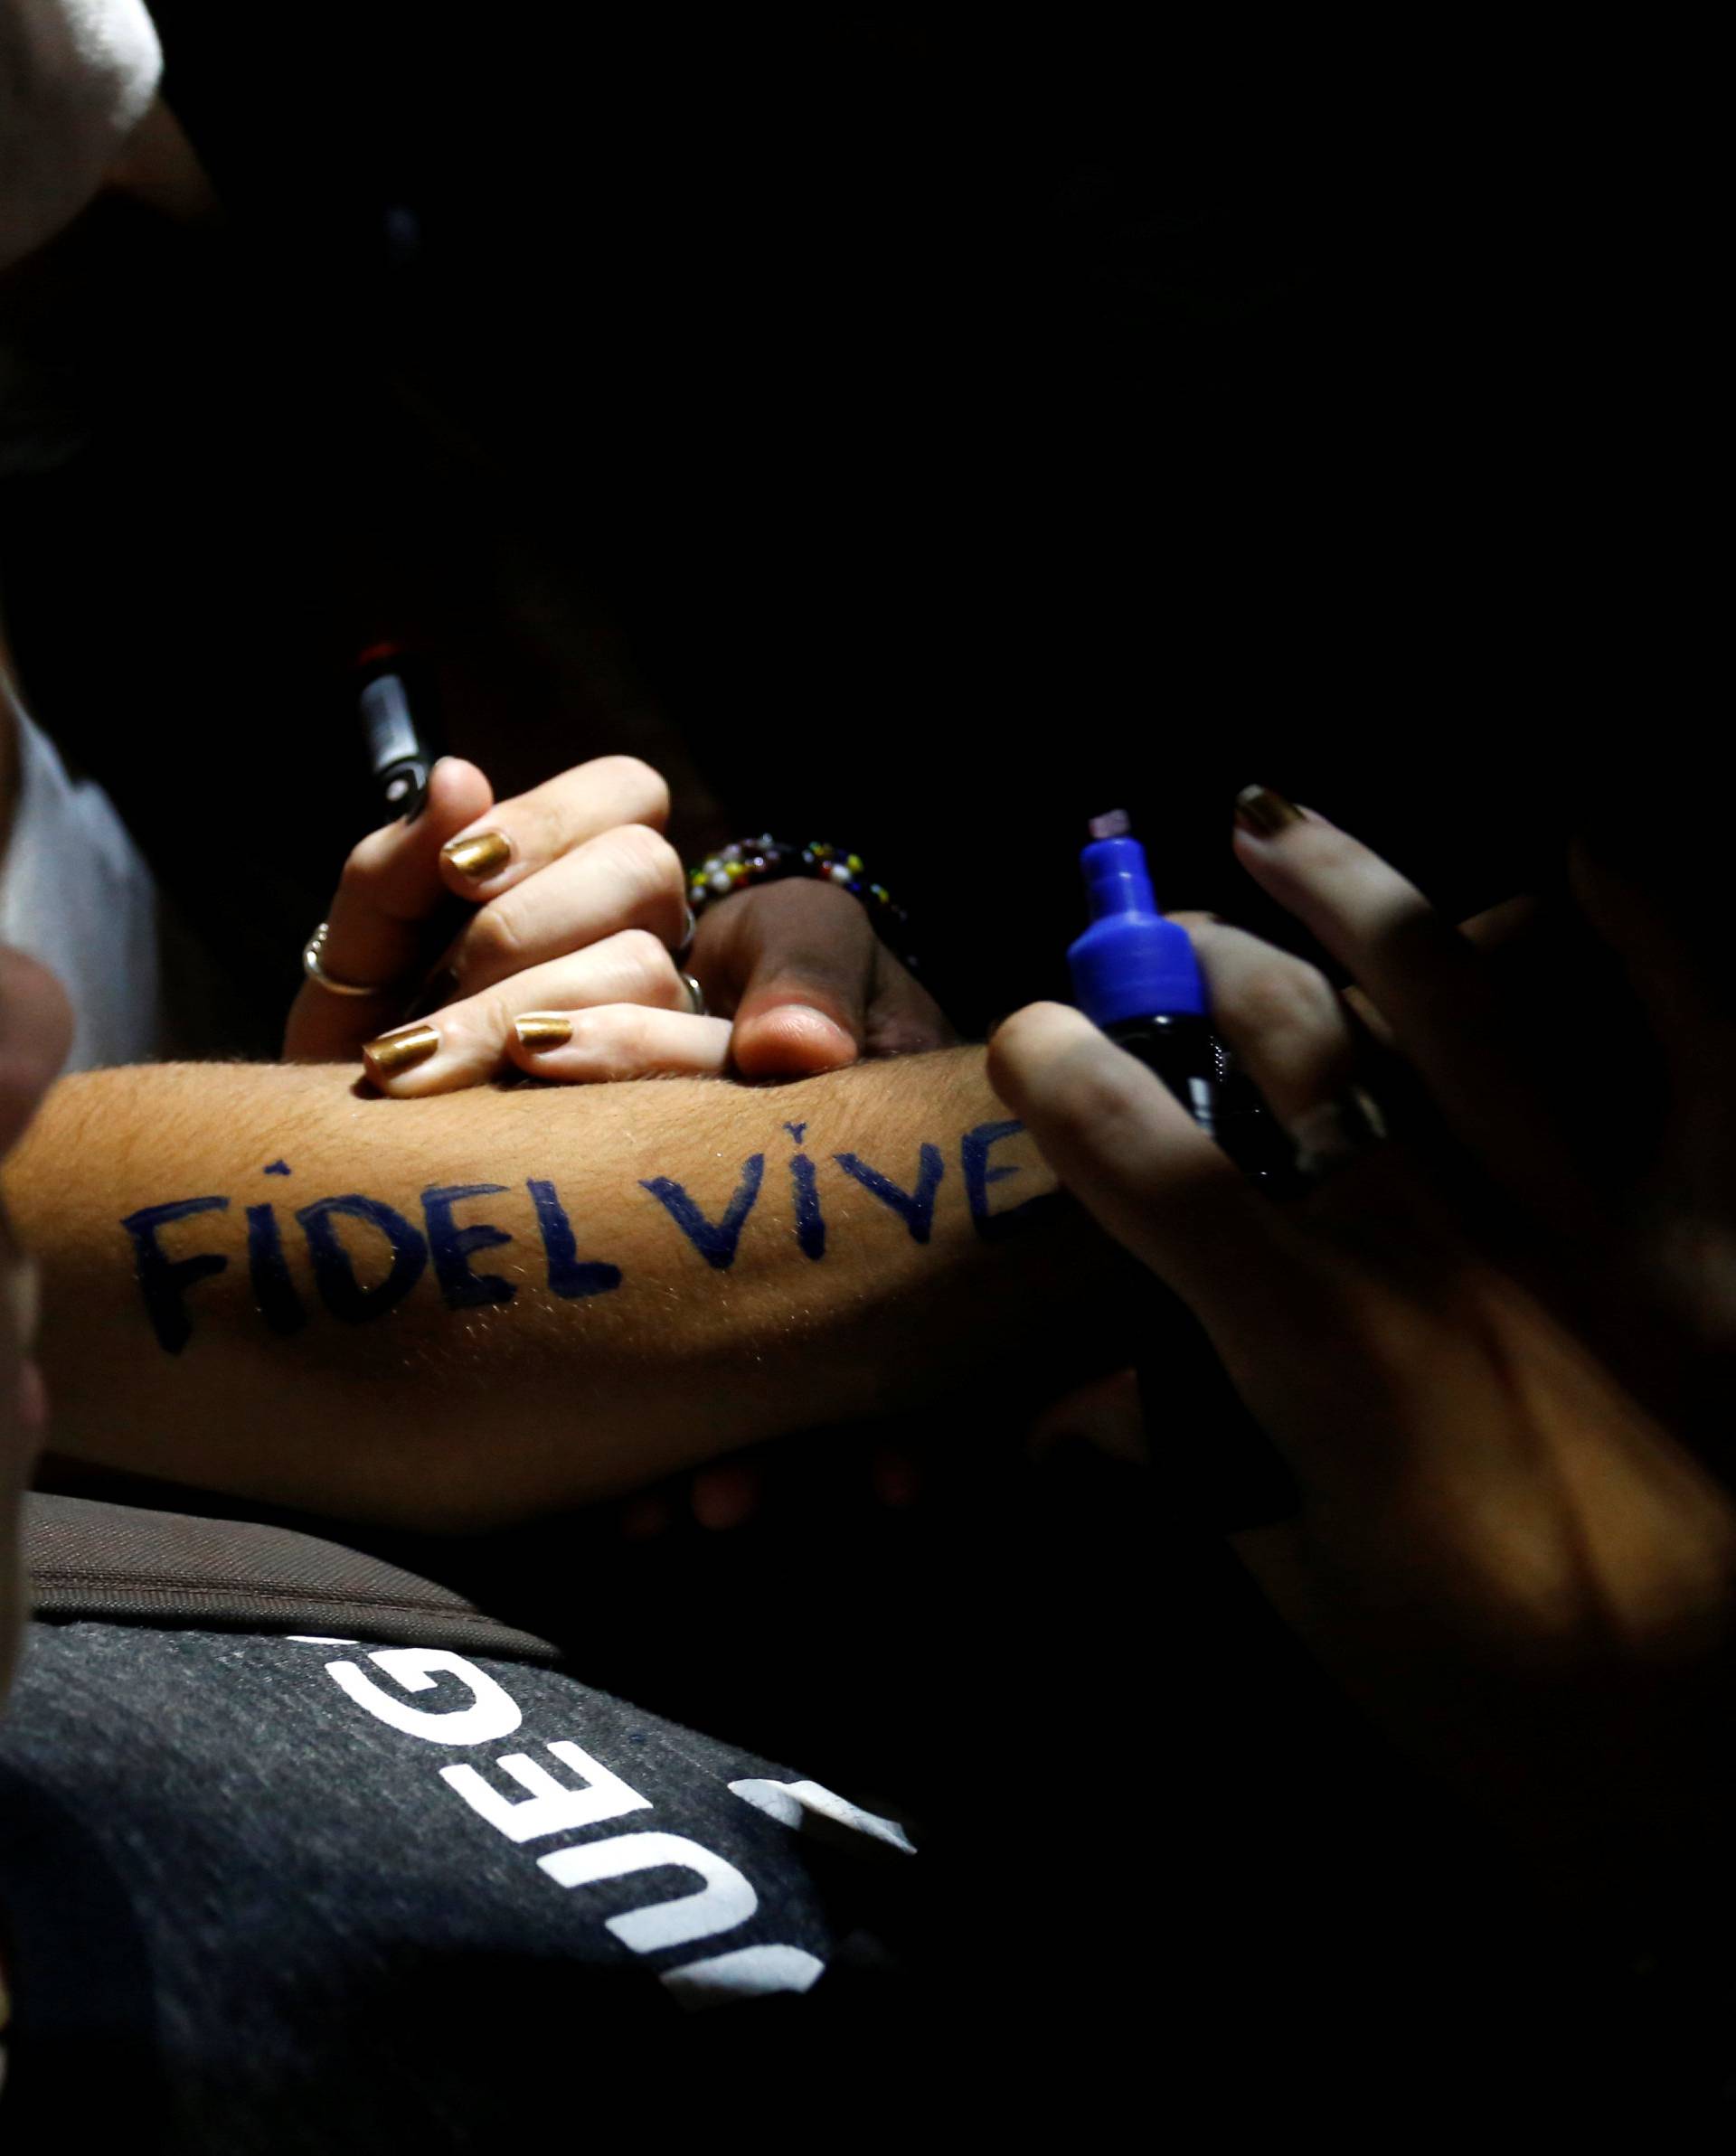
x: 312, y: 964
x: 1331, y: 1135
x: 696, y: 995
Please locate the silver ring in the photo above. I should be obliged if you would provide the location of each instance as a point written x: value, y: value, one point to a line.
x: 1337, y: 1132
x: 695, y: 994
x: 312, y: 952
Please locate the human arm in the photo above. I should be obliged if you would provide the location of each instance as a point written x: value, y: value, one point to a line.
x: 489, y: 1384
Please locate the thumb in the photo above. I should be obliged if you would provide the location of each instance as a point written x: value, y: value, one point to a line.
x: 1132, y: 1155
x: 378, y: 920
x: 804, y: 958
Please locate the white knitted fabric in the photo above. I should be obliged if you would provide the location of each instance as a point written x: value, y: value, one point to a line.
x: 76, y: 78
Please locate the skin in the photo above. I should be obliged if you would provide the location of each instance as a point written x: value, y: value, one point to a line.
x: 580, y: 918
x: 579, y: 921
x: 1514, y: 1545
x: 448, y: 1418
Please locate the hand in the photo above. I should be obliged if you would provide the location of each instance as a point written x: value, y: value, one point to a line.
x: 577, y: 903
x: 809, y: 984
x: 1504, y: 1549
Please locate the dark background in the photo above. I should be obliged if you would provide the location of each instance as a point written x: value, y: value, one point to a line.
x: 926, y: 439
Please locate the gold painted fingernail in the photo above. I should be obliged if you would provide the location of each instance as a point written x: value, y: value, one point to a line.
x: 1265, y: 813
x: 480, y: 856
x: 400, y: 1050
x: 543, y: 1029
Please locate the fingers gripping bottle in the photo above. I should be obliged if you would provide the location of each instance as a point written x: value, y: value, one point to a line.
x: 1135, y: 975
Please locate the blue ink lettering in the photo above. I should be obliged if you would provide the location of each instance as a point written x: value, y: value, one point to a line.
x: 810, y: 1221
x: 454, y: 1247
x: 569, y: 1274
x: 716, y: 1240
x: 339, y: 1289
x: 978, y: 1174
x: 278, y: 1168
x: 797, y: 1131
x: 162, y: 1280
x: 916, y: 1209
x: 273, y: 1290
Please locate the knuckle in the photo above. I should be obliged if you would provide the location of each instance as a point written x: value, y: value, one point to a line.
x: 638, y: 782
x: 657, y: 971
x: 646, y: 966
x: 494, y: 941
x: 1281, y: 1000
x: 484, y: 1020
x: 649, y: 861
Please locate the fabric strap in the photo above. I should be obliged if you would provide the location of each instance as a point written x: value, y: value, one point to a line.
x: 127, y: 1564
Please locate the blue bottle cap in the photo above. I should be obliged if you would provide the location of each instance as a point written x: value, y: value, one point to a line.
x: 1131, y: 962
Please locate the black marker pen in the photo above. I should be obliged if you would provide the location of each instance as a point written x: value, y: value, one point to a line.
x: 399, y: 755
x: 396, y: 733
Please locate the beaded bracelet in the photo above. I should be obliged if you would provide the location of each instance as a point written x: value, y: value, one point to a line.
x: 767, y: 860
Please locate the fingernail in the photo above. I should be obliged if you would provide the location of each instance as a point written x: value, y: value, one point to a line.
x: 480, y: 856
x: 400, y: 1050
x: 1265, y: 813
x: 543, y: 1029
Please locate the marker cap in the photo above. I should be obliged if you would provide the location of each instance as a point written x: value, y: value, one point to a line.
x: 1131, y: 962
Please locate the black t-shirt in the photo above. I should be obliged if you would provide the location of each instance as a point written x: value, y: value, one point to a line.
x: 281, y: 1893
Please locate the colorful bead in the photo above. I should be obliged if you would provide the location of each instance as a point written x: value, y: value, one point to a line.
x: 768, y: 860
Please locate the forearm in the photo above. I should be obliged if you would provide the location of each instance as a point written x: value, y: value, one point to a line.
x: 469, y: 1309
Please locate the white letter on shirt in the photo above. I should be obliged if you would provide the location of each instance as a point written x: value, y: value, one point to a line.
x: 725, y: 1900
x: 493, y: 1714
x: 551, y: 1807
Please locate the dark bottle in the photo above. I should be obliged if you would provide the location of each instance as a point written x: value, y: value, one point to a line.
x: 1135, y: 975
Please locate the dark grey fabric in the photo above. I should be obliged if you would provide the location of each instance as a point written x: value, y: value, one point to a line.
x: 244, y: 1905
x: 129, y: 1563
